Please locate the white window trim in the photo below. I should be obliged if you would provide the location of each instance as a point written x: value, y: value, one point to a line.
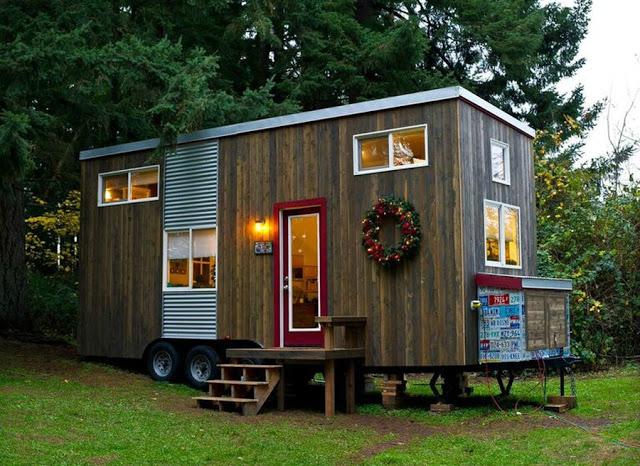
x: 128, y: 171
x: 507, y: 161
x: 502, y: 263
x: 391, y: 167
x: 165, y: 271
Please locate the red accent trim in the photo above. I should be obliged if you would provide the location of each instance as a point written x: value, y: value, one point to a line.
x: 321, y: 204
x: 508, y: 282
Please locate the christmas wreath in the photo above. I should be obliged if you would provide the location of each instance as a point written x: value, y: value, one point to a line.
x: 407, y: 220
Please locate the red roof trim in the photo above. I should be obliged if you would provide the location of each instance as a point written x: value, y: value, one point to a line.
x: 499, y: 281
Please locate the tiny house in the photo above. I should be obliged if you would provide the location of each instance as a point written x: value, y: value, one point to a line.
x: 415, y: 215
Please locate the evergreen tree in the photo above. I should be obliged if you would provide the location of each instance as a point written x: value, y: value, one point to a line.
x: 79, y: 74
x: 75, y: 75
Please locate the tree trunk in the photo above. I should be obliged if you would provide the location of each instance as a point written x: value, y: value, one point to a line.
x: 12, y: 260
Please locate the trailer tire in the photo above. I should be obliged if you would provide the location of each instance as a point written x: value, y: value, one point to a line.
x: 163, y: 361
x: 201, y: 365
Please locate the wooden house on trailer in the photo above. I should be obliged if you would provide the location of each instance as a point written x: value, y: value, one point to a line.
x: 398, y: 233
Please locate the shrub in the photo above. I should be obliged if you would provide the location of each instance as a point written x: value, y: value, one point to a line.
x: 52, y: 303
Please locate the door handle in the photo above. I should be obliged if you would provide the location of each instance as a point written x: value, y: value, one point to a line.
x: 285, y: 286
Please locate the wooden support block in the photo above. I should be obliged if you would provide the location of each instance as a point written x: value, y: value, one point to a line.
x: 570, y: 401
x: 392, y: 392
x: 329, y: 388
x: 557, y: 407
x: 441, y: 407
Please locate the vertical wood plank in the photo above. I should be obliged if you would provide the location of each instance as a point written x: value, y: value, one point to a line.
x: 329, y: 388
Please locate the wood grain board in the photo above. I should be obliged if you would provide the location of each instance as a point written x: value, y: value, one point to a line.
x: 120, y: 267
x: 476, y: 131
x: 416, y: 315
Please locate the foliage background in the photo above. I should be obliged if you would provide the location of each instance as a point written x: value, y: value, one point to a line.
x: 79, y: 74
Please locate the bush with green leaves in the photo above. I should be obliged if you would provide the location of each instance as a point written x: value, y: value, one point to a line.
x: 52, y: 303
x: 589, y: 231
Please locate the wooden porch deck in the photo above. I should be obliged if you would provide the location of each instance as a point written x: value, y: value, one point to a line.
x: 351, y: 354
x: 295, y: 353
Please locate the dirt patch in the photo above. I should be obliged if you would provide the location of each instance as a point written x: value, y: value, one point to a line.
x: 50, y: 439
x: 589, y: 422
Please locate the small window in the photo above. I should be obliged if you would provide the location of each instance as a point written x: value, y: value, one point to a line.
x: 374, y: 153
x: 500, y: 169
x: 204, y: 258
x: 191, y: 259
x: 178, y: 259
x: 115, y: 188
x: 390, y: 150
x: 502, y: 235
x: 140, y: 184
x: 144, y: 184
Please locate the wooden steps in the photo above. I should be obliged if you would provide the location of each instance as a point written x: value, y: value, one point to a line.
x: 238, y: 382
x: 560, y: 403
x: 252, y: 366
x: 244, y: 387
x: 557, y: 407
x: 226, y: 399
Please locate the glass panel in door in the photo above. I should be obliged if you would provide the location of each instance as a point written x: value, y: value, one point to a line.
x: 304, y: 258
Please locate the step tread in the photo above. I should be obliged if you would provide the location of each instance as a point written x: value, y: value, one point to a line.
x: 237, y: 382
x: 252, y: 366
x: 225, y: 399
x: 557, y: 407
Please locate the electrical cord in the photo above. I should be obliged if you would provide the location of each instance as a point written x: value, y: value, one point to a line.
x: 589, y: 431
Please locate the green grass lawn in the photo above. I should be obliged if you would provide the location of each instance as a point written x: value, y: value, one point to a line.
x: 55, y: 409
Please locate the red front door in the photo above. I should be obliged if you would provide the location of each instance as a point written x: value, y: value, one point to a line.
x: 300, y: 281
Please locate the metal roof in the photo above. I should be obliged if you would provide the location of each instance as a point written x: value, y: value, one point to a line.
x: 405, y: 100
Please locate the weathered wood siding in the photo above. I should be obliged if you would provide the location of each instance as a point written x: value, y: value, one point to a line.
x: 476, y: 131
x: 120, y: 267
x: 415, y: 314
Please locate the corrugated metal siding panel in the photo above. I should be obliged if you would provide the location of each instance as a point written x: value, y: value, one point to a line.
x: 190, y: 201
x: 189, y: 314
x: 191, y: 186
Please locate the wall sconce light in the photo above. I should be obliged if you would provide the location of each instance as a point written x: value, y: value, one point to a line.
x: 261, y: 231
x: 260, y: 226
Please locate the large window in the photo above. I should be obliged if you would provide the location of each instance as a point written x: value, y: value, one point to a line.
x: 392, y: 149
x: 502, y: 235
x: 136, y: 185
x: 191, y: 259
x: 500, y: 164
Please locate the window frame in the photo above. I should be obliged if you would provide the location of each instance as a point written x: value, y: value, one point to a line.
x: 388, y: 132
x: 501, y: 233
x: 129, y: 172
x: 165, y: 271
x: 507, y: 161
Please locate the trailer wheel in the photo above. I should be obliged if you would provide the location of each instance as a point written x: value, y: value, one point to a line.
x: 201, y: 365
x: 163, y: 361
